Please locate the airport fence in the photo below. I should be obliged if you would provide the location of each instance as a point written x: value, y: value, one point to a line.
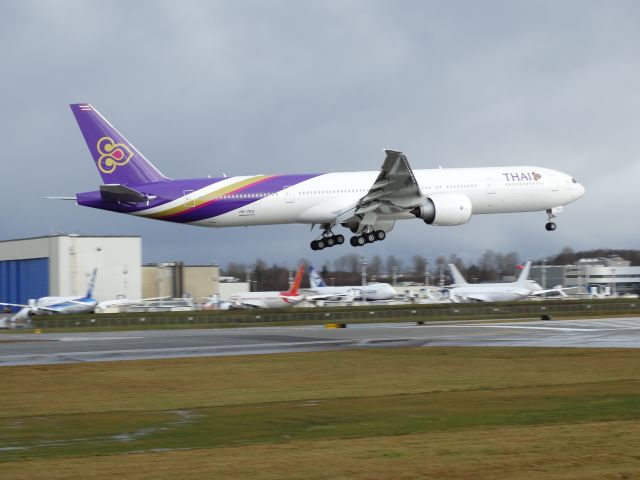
x: 329, y: 315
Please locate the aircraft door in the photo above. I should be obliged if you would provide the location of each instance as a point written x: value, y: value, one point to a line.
x: 288, y: 195
x: 189, y: 198
x: 491, y: 185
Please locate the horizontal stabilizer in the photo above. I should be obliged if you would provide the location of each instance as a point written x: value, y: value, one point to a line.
x: 121, y: 193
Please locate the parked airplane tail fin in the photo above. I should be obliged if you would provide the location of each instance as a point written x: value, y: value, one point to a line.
x: 315, y: 280
x: 92, y: 282
x: 118, y: 161
x: 293, y: 291
x: 524, y: 274
x: 458, y: 279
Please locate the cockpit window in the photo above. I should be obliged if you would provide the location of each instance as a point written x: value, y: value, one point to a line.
x: 574, y: 180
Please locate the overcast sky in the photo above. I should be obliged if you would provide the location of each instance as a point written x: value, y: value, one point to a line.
x: 242, y: 87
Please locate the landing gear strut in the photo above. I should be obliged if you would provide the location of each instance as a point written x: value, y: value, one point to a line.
x: 327, y: 239
x: 550, y: 226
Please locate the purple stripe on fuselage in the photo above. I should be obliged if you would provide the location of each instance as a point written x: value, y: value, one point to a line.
x: 226, y: 205
x: 169, y: 190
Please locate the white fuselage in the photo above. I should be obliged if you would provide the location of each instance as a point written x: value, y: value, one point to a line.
x: 264, y: 300
x: 494, y: 292
x: 374, y: 291
x: 63, y: 305
x: 316, y: 201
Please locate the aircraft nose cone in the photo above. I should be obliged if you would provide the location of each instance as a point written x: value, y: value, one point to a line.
x: 580, y: 190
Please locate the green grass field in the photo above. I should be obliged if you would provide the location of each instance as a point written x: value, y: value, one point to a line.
x: 457, y: 413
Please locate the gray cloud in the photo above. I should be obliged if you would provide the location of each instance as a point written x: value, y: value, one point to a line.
x: 270, y: 87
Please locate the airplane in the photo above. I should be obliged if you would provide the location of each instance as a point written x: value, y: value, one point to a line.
x: 68, y: 305
x: 57, y: 305
x: 460, y: 290
x: 319, y: 290
x: 368, y: 203
x: 247, y: 300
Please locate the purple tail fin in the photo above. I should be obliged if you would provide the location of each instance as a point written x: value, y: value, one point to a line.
x: 117, y: 160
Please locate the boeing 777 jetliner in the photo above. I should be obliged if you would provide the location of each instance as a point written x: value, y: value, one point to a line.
x: 367, y: 203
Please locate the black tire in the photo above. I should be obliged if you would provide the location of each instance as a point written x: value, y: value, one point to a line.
x: 550, y: 226
x: 360, y: 240
x: 320, y: 243
x: 329, y: 242
x: 339, y: 239
x: 370, y: 237
x: 314, y: 245
x: 380, y: 235
x: 352, y: 241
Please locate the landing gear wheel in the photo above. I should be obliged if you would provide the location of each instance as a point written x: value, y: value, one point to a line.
x: 358, y: 241
x: 320, y: 244
x: 380, y: 235
x: 329, y: 241
x: 550, y: 226
x: 339, y: 239
x: 370, y: 237
x: 314, y: 245
x: 352, y: 241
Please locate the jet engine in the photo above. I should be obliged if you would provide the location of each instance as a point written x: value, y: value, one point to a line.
x: 445, y: 209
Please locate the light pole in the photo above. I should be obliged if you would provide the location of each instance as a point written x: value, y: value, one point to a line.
x: 426, y: 272
x: 215, y: 277
x: 364, y: 271
x: 364, y: 279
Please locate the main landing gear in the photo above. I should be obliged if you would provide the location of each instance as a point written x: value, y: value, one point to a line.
x: 550, y: 226
x: 370, y: 237
x: 327, y: 240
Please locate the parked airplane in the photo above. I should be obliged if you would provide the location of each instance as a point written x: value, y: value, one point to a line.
x: 319, y: 290
x: 367, y: 203
x: 68, y: 305
x: 460, y: 290
x: 58, y: 305
x: 267, y: 299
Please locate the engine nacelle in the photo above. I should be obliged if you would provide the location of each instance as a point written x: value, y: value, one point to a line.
x: 445, y: 209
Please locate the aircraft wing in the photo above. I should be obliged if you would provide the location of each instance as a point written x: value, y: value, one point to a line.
x: 474, y: 297
x: 328, y: 296
x: 559, y: 290
x: 15, y: 305
x: 126, y: 301
x: 396, y: 188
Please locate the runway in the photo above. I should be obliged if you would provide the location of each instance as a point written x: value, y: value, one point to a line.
x: 53, y: 348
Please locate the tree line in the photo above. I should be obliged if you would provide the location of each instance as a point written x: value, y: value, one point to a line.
x: 347, y: 270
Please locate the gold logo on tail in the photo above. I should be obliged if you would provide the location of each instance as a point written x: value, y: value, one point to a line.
x: 112, y: 155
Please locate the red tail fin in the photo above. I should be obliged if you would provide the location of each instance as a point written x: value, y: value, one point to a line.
x: 296, y: 282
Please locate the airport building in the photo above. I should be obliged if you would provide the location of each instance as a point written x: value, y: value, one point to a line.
x: 198, y: 282
x: 610, y: 276
x: 604, y: 276
x: 61, y: 265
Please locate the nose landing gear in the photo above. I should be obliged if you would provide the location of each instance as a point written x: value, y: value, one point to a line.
x: 551, y: 214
